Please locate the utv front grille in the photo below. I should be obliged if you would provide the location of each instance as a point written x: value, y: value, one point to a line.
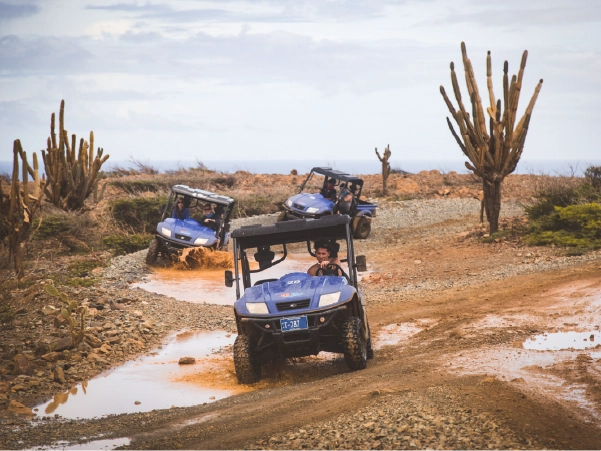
x: 182, y: 237
x: 298, y: 207
x: 293, y: 305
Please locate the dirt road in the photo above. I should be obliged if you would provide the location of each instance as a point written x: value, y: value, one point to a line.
x: 456, y: 366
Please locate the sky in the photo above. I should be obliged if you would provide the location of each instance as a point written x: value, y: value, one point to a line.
x: 290, y: 79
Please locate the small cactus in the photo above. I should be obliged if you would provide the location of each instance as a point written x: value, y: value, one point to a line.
x: 71, y: 307
x: 385, y: 168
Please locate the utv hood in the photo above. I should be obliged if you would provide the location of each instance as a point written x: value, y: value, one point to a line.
x: 187, y: 231
x: 313, y: 204
x: 295, y: 293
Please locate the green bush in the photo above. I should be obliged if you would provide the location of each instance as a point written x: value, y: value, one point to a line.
x: 126, y: 244
x: 52, y: 226
x: 593, y: 176
x: 141, y: 214
x: 561, y: 195
x: 574, y: 226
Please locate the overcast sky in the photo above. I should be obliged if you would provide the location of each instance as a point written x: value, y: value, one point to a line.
x: 290, y: 79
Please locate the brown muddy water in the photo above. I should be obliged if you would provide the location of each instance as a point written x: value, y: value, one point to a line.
x: 208, y: 285
x: 155, y: 381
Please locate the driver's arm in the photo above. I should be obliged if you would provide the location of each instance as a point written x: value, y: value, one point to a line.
x: 313, y: 269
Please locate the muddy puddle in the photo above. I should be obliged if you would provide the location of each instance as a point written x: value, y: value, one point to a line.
x: 103, y: 444
x: 156, y: 380
x: 208, y: 285
x: 564, y: 340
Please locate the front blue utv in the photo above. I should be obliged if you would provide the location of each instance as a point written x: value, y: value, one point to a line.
x: 183, y: 233
x: 297, y: 314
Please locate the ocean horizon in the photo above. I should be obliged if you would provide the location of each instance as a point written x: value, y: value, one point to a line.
x: 363, y: 166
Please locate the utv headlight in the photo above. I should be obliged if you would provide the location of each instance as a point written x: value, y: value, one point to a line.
x: 201, y: 240
x: 289, y: 203
x: 312, y: 210
x: 257, y: 308
x: 165, y: 231
x: 329, y: 299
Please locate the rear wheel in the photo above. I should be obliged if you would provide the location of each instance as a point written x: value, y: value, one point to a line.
x: 363, y: 228
x: 355, y: 345
x: 248, y: 367
x: 153, y: 252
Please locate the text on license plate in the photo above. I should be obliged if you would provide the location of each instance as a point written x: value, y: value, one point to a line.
x: 296, y: 323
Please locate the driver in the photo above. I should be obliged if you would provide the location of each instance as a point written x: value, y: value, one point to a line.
x: 322, y: 253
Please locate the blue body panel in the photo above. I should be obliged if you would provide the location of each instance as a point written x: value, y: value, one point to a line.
x: 293, y: 287
x: 307, y: 205
x: 187, y: 231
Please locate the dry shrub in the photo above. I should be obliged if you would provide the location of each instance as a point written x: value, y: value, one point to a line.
x: 204, y: 258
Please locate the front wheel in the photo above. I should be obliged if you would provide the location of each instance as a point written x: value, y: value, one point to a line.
x: 354, y: 344
x: 363, y: 228
x: 153, y: 252
x: 248, y: 367
x: 282, y: 217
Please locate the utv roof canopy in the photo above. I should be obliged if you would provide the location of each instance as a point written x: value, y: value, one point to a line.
x: 338, y: 175
x: 202, y: 195
x: 296, y: 231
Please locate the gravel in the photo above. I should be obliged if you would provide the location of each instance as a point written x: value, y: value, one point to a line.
x: 428, y: 420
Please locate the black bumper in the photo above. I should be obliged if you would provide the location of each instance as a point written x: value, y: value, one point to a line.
x: 323, y: 333
x: 170, y: 246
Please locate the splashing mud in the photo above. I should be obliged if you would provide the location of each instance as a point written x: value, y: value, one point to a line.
x: 203, y: 258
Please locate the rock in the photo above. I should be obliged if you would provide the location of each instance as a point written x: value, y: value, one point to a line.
x: 49, y: 310
x: 58, y: 375
x: 22, y: 365
x: 61, y: 344
x: 186, y: 361
x: 3, y: 387
x: 105, y: 348
x: 93, y: 341
x: 117, y: 306
x: 17, y: 408
x: 59, y: 321
x: 52, y: 356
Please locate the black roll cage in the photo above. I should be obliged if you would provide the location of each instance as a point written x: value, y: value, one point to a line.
x: 340, y: 176
x: 335, y: 227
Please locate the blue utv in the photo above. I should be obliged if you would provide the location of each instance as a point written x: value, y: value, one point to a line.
x: 190, y: 227
x: 297, y: 314
x: 317, y: 198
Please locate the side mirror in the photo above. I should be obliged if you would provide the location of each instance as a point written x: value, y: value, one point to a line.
x: 229, y: 279
x: 361, y: 263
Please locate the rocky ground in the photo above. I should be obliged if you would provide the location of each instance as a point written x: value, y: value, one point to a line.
x: 431, y: 266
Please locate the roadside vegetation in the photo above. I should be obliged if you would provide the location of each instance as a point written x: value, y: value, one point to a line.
x: 567, y: 212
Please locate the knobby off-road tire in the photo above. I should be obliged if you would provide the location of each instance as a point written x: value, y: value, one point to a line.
x: 153, y: 252
x: 355, y: 345
x: 363, y: 228
x: 248, y: 367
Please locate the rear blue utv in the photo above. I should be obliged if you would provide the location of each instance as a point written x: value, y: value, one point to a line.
x: 190, y: 227
x: 322, y: 199
x: 297, y: 314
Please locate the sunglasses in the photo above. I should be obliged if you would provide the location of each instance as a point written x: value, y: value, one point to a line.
x: 179, y: 202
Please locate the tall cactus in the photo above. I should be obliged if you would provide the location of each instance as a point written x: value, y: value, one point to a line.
x: 385, y: 167
x: 19, y: 205
x: 71, y: 178
x: 494, y: 152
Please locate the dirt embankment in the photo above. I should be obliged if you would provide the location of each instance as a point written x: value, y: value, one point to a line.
x: 451, y: 315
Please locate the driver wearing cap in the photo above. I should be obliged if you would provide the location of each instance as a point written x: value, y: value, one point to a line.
x: 322, y: 253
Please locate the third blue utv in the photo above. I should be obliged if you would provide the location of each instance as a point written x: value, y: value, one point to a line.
x: 313, y: 202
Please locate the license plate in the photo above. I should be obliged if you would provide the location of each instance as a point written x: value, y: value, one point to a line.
x: 295, y: 323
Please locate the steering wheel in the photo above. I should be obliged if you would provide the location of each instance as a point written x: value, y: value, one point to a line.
x: 331, y: 269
